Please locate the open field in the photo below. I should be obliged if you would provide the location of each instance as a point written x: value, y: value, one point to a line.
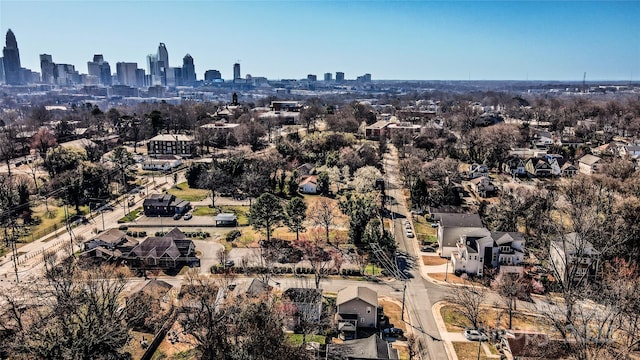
x: 183, y: 191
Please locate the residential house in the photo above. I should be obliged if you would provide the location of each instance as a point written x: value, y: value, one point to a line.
x: 403, y: 128
x: 589, y: 164
x: 226, y: 219
x: 158, y: 290
x: 357, y: 308
x: 303, y: 307
x: 573, y: 258
x: 538, y: 167
x: 109, y: 245
x: 514, y: 166
x: 482, y: 186
x: 568, y: 170
x: 164, y: 205
x: 632, y: 151
x: 452, y: 226
x: 377, y: 130
x: 168, y: 252
x: 305, y: 169
x: 478, y: 170
x: 370, y: 348
x: 542, y: 139
x: 309, y: 185
x: 504, y: 250
x: 171, y: 144
x: 162, y: 163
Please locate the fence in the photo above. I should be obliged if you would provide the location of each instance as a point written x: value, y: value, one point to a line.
x: 157, y: 339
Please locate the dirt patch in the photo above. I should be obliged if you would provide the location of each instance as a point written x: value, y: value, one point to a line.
x: 392, y: 310
x: 167, y: 349
x: 468, y: 350
x: 433, y: 260
x: 134, y: 347
x: 451, y: 278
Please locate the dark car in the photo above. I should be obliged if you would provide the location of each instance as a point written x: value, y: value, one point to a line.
x: 428, y: 249
x: 177, y: 216
x: 394, y: 332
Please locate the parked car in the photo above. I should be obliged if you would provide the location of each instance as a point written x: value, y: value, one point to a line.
x: 475, y: 335
x: 188, y: 216
x: 395, y: 332
x: 229, y: 263
x: 428, y: 249
x: 407, y: 226
x: 177, y: 216
x: 434, y: 225
x: 409, y: 233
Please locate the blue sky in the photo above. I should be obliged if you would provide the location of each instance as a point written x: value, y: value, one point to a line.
x: 422, y: 40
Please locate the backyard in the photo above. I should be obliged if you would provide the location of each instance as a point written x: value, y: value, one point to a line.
x: 183, y: 191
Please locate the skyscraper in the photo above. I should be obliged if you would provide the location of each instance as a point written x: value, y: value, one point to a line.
x: 100, y: 69
x: 212, y: 75
x: 163, y: 62
x: 339, y: 76
x: 1, y: 70
x: 11, y: 61
x: 46, y: 68
x: 236, y: 72
x: 328, y: 76
x: 188, y: 71
x: 126, y: 73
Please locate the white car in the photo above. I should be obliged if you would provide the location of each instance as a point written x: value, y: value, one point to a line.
x: 187, y: 216
x: 475, y: 335
x: 409, y: 233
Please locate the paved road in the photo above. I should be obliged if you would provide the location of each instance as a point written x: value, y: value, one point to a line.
x: 420, y: 294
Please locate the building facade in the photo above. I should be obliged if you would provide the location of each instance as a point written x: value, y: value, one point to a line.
x: 171, y: 144
x: 11, y: 61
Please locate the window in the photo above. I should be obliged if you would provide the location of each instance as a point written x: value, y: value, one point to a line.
x: 368, y: 309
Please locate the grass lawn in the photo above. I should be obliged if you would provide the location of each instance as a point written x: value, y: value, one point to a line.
x: 468, y: 350
x: 453, y: 319
x: 50, y: 222
x: 130, y: 216
x: 241, y: 211
x: 372, y: 270
x: 433, y: 260
x: 296, y: 339
x: 424, y: 231
x: 451, y: 278
x: 183, y: 191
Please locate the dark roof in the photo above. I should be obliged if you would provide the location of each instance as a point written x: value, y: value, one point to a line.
x: 458, y: 220
x: 156, y: 288
x: 159, y: 200
x: 371, y: 348
x: 157, y: 247
x: 175, y: 233
x: 257, y: 288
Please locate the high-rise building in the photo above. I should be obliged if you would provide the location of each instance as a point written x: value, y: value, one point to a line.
x: 212, y: 75
x: 328, y: 76
x: 158, y: 65
x: 11, y: 61
x: 339, y: 76
x: 140, y: 78
x: 1, y: 70
x: 47, y: 69
x: 100, y: 69
x: 236, y: 72
x: 312, y: 77
x: 364, y: 78
x: 163, y: 62
x: 66, y: 75
x: 126, y: 73
x: 188, y: 71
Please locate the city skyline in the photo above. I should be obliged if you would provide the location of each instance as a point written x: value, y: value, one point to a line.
x: 393, y: 40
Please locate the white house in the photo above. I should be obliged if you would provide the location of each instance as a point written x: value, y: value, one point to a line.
x: 309, y: 185
x: 589, y: 164
x: 482, y: 186
x: 504, y: 250
x: 542, y: 139
x: 632, y: 151
x: 452, y: 226
x: 573, y: 258
x: 162, y: 163
x: 478, y: 170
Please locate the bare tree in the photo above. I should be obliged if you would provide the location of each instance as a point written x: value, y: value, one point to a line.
x: 468, y: 299
x: 324, y: 213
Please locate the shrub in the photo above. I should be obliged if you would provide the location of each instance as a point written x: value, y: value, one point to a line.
x: 232, y: 235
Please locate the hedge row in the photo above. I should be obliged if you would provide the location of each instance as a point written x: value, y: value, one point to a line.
x: 219, y: 269
x: 189, y: 234
x: 136, y: 234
